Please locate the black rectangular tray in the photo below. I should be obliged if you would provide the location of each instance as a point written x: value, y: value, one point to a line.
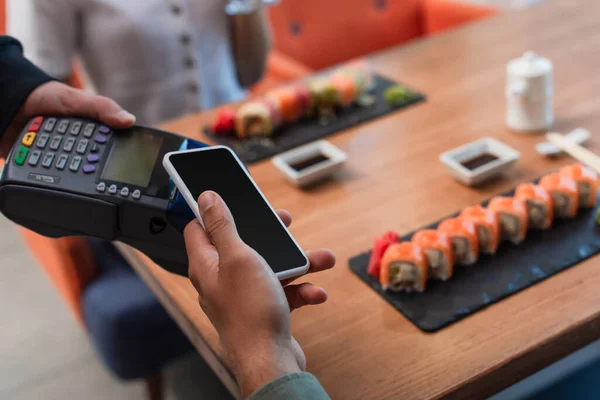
x: 309, y: 130
x: 512, y: 269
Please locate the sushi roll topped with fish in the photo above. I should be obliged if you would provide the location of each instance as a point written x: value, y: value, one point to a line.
x: 564, y: 192
x: 438, y: 252
x: 540, y: 207
x: 513, y: 217
x: 253, y: 119
x: 346, y: 90
x: 587, y: 181
x: 465, y: 242
x: 403, y: 268
x: 488, y: 227
x: 324, y: 95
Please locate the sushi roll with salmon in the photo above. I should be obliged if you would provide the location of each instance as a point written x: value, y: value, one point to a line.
x: 362, y: 75
x: 465, y: 242
x: 304, y: 100
x: 540, y: 207
x: 587, y: 182
x: 438, y: 252
x: 286, y: 101
x: 254, y: 118
x: 403, y: 268
x: 345, y: 88
x: 564, y: 192
x: 513, y: 217
x: 488, y: 227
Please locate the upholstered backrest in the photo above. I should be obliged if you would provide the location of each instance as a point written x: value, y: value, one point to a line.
x: 320, y: 33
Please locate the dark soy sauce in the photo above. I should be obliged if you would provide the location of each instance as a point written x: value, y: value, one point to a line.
x: 309, y: 162
x: 479, y: 161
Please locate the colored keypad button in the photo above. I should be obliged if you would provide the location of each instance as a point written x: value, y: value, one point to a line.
x: 21, y: 155
x: 100, y: 139
x: 35, y: 125
x: 93, y: 158
x: 62, y: 162
x: 50, y: 123
x: 104, y: 129
x: 28, y: 139
x: 34, y: 158
x: 89, y: 168
x: 42, y: 140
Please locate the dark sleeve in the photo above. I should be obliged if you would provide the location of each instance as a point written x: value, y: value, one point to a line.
x: 18, y: 78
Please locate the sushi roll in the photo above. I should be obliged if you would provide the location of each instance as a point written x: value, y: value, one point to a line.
x: 253, y: 119
x: 324, y: 96
x: 488, y: 227
x: 286, y: 101
x: 362, y: 75
x: 587, y: 182
x: 403, y: 268
x: 304, y: 100
x: 564, y: 192
x: 513, y: 217
x: 438, y: 252
x: 345, y: 88
x: 540, y: 207
x: 465, y: 243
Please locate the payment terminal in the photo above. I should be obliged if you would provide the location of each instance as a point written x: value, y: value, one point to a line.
x: 77, y: 177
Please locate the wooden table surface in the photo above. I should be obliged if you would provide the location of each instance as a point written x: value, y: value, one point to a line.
x: 357, y: 344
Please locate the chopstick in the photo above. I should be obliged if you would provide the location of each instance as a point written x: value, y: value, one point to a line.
x: 576, y: 151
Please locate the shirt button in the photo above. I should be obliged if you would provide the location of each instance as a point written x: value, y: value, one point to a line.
x: 175, y: 9
x: 193, y: 87
x: 185, y: 39
x: 189, y: 63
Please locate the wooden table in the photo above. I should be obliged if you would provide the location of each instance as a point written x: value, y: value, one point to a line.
x: 358, y: 345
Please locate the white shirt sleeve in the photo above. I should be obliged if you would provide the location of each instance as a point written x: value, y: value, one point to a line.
x: 48, y: 30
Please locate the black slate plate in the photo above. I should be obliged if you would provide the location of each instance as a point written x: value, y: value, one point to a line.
x: 309, y: 130
x: 512, y: 269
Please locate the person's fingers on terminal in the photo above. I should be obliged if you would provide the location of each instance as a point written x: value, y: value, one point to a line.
x: 100, y: 108
x: 285, y: 216
x: 218, y: 222
x: 320, y: 260
x: 304, y: 294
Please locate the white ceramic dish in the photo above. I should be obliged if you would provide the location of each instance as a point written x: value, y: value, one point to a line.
x: 507, y: 157
x: 313, y: 173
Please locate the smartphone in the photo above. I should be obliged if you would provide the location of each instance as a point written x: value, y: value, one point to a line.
x: 218, y: 169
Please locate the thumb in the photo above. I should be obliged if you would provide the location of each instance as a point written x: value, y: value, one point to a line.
x: 55, y: 98
x: 218, y: 221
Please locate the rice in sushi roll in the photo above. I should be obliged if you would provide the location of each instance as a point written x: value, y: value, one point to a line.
x: 324, y: 96
x: 540, y: 207
x: 438, y: 252
x: 465, y: 243
x: 564, y: 192
x: 403, y: 268
x: 513, y: 217
x: 253, y: 119
x: 488, y: 227
x: 587, y: 181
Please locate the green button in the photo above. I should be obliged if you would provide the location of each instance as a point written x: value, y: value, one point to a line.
x: 21, y: 155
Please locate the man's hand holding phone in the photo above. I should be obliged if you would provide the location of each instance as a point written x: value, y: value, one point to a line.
x: 249, y: 307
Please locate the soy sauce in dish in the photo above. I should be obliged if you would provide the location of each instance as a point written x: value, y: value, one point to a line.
x: 479, y: 161
x: 309, y: 162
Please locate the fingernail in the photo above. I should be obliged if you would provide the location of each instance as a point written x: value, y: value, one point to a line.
x: 206, y: 201
x: 126, y: 117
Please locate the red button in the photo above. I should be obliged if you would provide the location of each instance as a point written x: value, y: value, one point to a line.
x: 35, y: 124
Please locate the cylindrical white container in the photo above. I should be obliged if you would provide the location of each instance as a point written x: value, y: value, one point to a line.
x: 529, y: 94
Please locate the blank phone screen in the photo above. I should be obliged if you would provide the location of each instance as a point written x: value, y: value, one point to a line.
x: 258, y: 226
